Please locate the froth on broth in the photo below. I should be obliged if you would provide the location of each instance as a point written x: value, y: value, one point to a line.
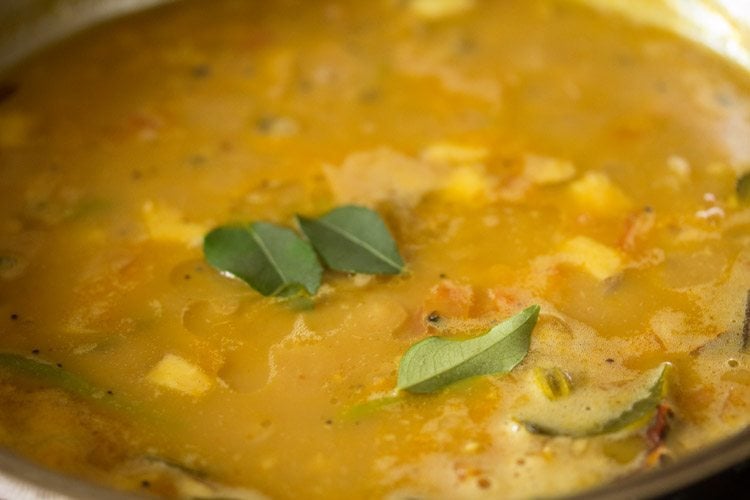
x: 520, y: 152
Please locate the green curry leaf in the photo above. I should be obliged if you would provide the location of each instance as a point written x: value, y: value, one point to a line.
x: 271, y: 259
x: 353, y: 239
x: 638, y: 411
x: 435, y: 362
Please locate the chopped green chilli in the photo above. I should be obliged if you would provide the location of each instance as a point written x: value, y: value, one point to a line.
x: 572, y: 422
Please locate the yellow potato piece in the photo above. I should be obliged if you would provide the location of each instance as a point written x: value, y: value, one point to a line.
x: 595, y: 192
x: 174, y: 372
x: 466, y: 184
x: 597, y: 259
x: 438, y: 9
x: 165, y: 223
x: 543, y: 170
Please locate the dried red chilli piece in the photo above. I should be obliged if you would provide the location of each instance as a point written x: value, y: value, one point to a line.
x: 661, y: 455
x: 659, y: 427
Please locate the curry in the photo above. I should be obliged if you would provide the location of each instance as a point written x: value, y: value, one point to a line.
x: 567, y: 194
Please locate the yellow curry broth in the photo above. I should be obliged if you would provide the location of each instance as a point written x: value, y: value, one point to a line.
x: 520, y: 152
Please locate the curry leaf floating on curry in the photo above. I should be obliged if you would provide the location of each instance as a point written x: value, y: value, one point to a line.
x: 275, y: 261
x: 271, y: 259
x: 571, y: 420
x: 353, y: 239
x: 435, y: 362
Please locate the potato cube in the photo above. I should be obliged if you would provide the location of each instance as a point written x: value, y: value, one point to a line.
x: 465, y: 184
x: 595, y: 192
x: 176, y: 373
x: 165, y: 223
x: 543, y: 170
x: 439, y: 9
x: 597, y: 259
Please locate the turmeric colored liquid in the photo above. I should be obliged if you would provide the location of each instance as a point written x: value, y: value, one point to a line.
x: 521, y: 152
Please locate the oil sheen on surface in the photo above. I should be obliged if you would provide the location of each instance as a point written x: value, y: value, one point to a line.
x: 521, y: 152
